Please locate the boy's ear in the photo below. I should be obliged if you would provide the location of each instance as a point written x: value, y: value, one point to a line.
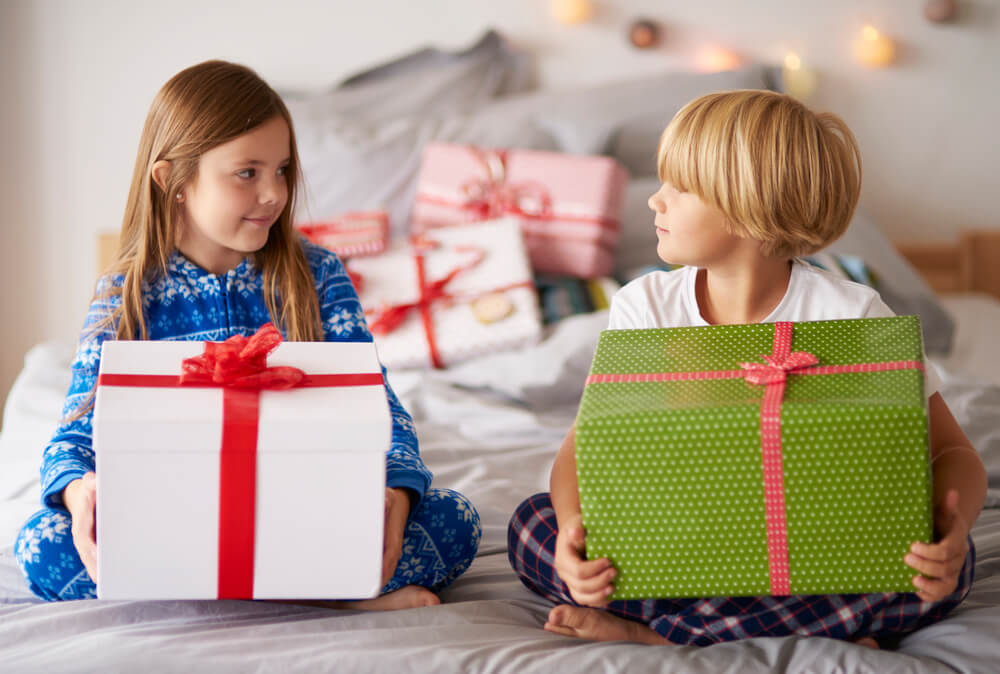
x: 160, y: 173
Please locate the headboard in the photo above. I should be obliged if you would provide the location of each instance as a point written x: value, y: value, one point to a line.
x: 971, y: 264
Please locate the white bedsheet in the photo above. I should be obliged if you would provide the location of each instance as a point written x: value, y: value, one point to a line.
x: 489, y: 429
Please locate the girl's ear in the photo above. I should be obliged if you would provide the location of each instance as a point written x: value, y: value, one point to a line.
x: 160, y: 173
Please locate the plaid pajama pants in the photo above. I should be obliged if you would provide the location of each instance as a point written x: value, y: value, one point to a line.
x: 531, y: 542
x: 439, y: 544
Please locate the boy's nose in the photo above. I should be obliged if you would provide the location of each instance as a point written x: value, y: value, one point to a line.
x: 656, y: 204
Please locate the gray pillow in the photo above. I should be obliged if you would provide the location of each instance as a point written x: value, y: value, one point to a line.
x: 360, y: 144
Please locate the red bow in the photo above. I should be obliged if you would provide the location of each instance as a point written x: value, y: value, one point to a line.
x: 241, y: 362
x: 777, y: 370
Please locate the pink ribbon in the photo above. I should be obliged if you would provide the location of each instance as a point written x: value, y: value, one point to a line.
x: 773, y: 375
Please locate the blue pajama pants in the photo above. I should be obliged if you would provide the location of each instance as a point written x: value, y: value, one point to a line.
x: 439, y: 544
x: 531, y: 546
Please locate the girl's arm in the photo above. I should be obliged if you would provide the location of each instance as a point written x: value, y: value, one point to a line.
x: 70, y: 454
x: 344, y: 320
x: 959, y: 493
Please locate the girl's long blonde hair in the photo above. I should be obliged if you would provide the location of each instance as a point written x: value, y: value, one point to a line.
x: 198, y: 109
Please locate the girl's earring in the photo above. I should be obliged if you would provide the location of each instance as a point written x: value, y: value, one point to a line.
x: 180, y: 197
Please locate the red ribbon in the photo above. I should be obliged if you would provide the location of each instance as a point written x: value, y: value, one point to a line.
x: 772, y: 374
x: 239, y: 366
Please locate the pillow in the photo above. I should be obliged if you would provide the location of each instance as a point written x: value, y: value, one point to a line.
x: 625, y: 119
x: 360, y: 144
x: 899, y: 284
x: 425, y: 82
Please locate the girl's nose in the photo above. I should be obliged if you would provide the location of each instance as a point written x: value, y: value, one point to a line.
x: 272, y: 190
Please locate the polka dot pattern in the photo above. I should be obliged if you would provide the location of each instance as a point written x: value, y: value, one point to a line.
x: 671, y: 477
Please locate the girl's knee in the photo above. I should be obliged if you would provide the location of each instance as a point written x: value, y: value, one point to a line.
x: 45, y: 552
x: 452, y: 518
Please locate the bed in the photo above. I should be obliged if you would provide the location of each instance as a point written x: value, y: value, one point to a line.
x: 489, y: 427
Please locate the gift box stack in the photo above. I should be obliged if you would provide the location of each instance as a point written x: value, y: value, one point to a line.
x: 450, y: 295
x: 750, y: 460
x: 568, y: 206
x: 219, y: 474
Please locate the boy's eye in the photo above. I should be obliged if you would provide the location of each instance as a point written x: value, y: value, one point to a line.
x: 247, y: 173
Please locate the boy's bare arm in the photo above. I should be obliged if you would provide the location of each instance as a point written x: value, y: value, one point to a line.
x: 563, y: 484
x: 955, y: 463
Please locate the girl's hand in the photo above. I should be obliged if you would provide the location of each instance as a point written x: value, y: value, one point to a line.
x: 941, y: 562
x: 589, y: 582
x: 80, y: 499
x: 397, y: 510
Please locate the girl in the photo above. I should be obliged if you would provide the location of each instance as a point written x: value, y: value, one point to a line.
x: 208, y: 251
x: 751, y: 179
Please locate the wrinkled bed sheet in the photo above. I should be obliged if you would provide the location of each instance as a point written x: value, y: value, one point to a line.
x: 489, y: 429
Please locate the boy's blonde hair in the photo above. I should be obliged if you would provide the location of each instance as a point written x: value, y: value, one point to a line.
x: 198, y: 109
x: 782, y: 174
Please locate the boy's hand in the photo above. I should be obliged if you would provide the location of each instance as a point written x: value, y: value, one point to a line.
x: 397, y: 510
x: 80, y: 499
x: 589, y: 582
x: 941, y: 562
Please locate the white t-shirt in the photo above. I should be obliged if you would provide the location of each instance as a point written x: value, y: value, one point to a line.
x: 666, y: 299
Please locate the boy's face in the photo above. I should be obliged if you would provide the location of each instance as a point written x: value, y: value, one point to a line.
x: 689, y: 231
x: 238, y: 194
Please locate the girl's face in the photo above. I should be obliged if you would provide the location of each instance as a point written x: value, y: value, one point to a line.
x: 689, y: 231
x: 237, y: 195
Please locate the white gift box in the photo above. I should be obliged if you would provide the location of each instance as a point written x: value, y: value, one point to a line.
x: 392, y: 279
x: 319, y: 482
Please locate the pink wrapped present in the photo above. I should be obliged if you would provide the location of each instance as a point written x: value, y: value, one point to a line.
x: 569, y: 206
x: 350, y: 234
x: 449, y: 295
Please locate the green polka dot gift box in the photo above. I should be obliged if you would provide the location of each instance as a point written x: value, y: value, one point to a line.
x: 749, y: 460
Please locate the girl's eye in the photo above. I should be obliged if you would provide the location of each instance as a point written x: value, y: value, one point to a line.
x: 283, y: 170
x: 247, y: 173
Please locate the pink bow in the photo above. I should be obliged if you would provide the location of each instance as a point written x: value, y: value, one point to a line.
x: 775, y: 370
x: 493, y: 196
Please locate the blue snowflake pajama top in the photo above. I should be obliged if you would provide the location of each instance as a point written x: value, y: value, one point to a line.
x: 443, y: 531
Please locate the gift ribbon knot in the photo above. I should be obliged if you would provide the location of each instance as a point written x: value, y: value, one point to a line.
x: 241, y: 362
x: 493, y: 196
x: 775, y: 370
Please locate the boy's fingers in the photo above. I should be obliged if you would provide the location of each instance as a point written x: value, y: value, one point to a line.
x: 934, y: 568
x: 595, y: 599
x: 930, y: 589
x: 596, y: 584
x: 947, y: 548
